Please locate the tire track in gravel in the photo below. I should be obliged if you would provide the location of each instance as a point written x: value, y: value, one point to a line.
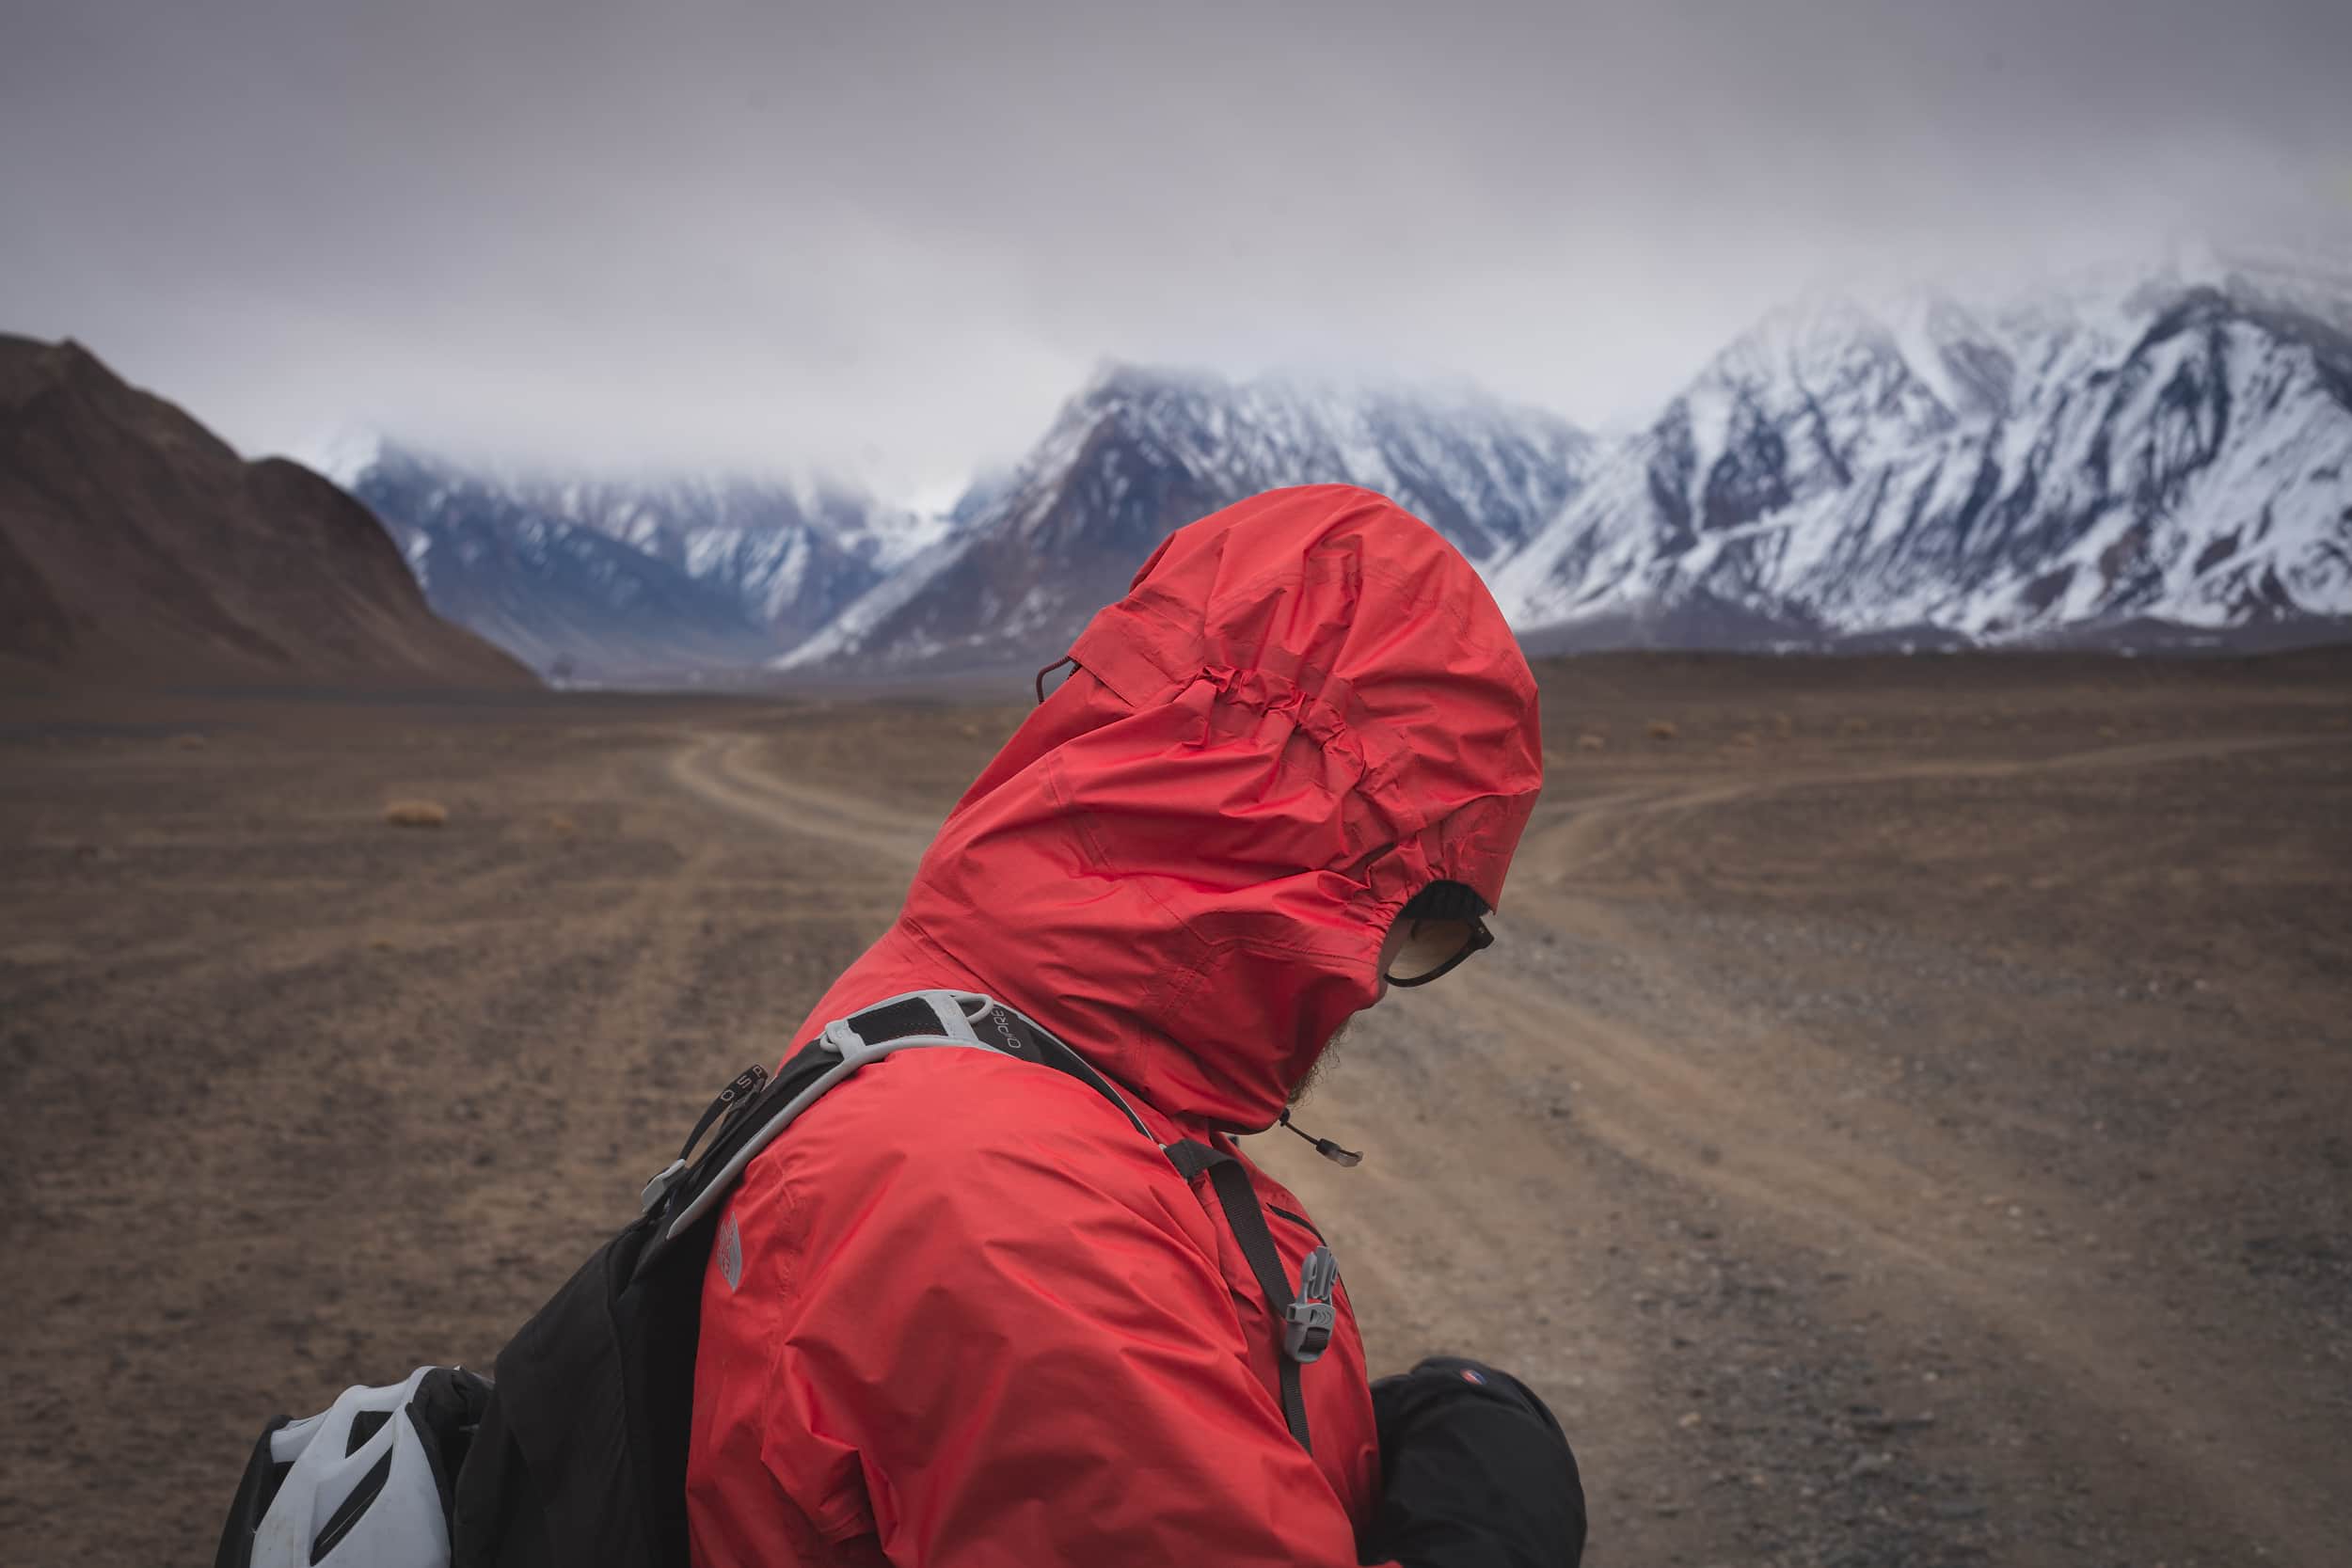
x: 1749, y: 1137
x: 721, y: 769
x: 1570, y: 833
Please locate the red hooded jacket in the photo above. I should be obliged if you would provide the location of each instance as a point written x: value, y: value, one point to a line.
x: 976, y: 1319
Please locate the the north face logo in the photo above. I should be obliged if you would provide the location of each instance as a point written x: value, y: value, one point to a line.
x: 730, y: 1251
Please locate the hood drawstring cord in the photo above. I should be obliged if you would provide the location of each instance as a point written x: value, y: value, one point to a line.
x: 1325, y: 1146
x: 1065, y: 658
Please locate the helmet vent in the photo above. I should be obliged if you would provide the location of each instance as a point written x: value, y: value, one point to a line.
x: 338, y: 1524
x: 364, y: 1425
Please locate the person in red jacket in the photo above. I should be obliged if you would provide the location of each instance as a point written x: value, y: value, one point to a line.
x: 964, y: 1314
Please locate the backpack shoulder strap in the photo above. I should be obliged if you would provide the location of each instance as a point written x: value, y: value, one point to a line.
x: 581, y: 1455
x: 754, y: 1110
x: 915, y: 1021
x: 1306, y: 1318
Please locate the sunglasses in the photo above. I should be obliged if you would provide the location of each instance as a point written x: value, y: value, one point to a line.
x: 1431, y: 947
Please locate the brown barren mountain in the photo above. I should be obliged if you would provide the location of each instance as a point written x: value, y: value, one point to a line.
x: 137, y: 546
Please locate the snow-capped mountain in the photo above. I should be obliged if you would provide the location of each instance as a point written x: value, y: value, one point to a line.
x: 617, y: 579
x: 2107, y: 461
x: 1141, y: 452
x: 2178, y: 452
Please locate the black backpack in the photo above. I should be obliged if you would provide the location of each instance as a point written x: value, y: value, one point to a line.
x: 575, y: 1452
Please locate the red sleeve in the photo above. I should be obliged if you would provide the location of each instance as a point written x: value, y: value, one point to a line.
x: 1002, y: 1338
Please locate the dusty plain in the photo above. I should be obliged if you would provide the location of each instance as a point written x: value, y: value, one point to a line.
x: 1907, y: 1120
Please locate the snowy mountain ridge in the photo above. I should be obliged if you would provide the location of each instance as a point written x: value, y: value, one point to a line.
x: 624, y: 576
x: 1139, y: 452
x: 2167, y: 447
x: 2171, y: 450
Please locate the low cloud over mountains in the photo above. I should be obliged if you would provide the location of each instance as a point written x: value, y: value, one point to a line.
x: 2170, y: 451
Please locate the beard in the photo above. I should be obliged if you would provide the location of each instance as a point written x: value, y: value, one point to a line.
x: 1323, y: 1061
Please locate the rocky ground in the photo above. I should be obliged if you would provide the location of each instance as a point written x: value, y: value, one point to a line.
x: 1907, y: 1120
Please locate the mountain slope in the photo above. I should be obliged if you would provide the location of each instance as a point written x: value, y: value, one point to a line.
x: 619, y: 578
x: 1139, y: 453
x: 2175, y: 454
x: 136, y: 545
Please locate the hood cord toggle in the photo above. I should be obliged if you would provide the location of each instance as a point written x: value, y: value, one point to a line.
x: 1325, y: 1146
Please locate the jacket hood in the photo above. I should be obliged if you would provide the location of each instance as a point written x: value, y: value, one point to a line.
x: 1306, y: 710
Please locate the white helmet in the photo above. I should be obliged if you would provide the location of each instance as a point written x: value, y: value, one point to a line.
x: 363, y: 1484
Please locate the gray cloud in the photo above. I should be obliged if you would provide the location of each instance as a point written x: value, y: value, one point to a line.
x: 888, y: 239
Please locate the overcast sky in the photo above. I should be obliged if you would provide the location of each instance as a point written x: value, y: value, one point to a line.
x: 889, y: 239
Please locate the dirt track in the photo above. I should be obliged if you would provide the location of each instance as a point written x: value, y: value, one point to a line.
x: 1908, y: 1119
